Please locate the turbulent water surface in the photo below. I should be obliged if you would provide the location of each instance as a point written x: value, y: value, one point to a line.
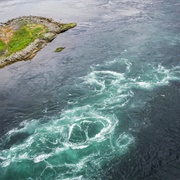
x: 107, y: 107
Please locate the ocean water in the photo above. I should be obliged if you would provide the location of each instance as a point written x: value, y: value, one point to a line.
x: 107, y: 106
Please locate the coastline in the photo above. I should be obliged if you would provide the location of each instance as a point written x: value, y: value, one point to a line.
x: 52, y: 30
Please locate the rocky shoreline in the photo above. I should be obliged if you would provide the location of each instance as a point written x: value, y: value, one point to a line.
x: 52, y: 30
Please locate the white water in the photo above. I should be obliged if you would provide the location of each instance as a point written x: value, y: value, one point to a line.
x: 84, y: 137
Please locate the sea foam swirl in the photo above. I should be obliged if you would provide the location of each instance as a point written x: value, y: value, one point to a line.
x: 86, y: 135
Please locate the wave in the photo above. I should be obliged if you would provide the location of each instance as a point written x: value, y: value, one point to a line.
x: 86, y: 135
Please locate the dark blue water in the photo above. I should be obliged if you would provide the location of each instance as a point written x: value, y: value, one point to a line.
x: 107, y: 107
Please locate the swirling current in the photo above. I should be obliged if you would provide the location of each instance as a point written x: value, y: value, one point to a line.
x: 107, y: 106
x: 87, y: 135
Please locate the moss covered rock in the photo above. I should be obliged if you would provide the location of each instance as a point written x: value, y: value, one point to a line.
x: 23, y: 37
x: 59, y: 49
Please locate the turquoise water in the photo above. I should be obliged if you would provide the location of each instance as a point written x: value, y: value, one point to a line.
x: 71, y: 117
x: 86, y: 135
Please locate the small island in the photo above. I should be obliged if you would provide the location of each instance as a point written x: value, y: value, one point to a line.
x: 21, y: 38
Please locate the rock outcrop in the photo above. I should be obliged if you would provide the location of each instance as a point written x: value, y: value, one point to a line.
x: 52, y: 30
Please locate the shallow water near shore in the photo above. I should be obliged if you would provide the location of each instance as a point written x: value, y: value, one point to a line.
x: 107, y: 106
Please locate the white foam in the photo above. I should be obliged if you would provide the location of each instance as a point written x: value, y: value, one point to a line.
x: 41, y: 157
x: 111, y: 90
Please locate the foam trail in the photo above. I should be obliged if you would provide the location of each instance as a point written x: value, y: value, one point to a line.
x: 75, y: 144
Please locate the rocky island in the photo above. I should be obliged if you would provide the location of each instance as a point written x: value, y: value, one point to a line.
x: 21, y: 38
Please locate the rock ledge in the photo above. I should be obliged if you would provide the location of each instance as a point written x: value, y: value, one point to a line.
x: 52, y: 30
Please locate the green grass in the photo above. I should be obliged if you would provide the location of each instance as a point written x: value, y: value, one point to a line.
x: 24, y: 36
x: 2, y: 46
x: 66, y: 27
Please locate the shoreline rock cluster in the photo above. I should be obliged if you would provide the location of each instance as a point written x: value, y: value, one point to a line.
x: 53, y: 29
